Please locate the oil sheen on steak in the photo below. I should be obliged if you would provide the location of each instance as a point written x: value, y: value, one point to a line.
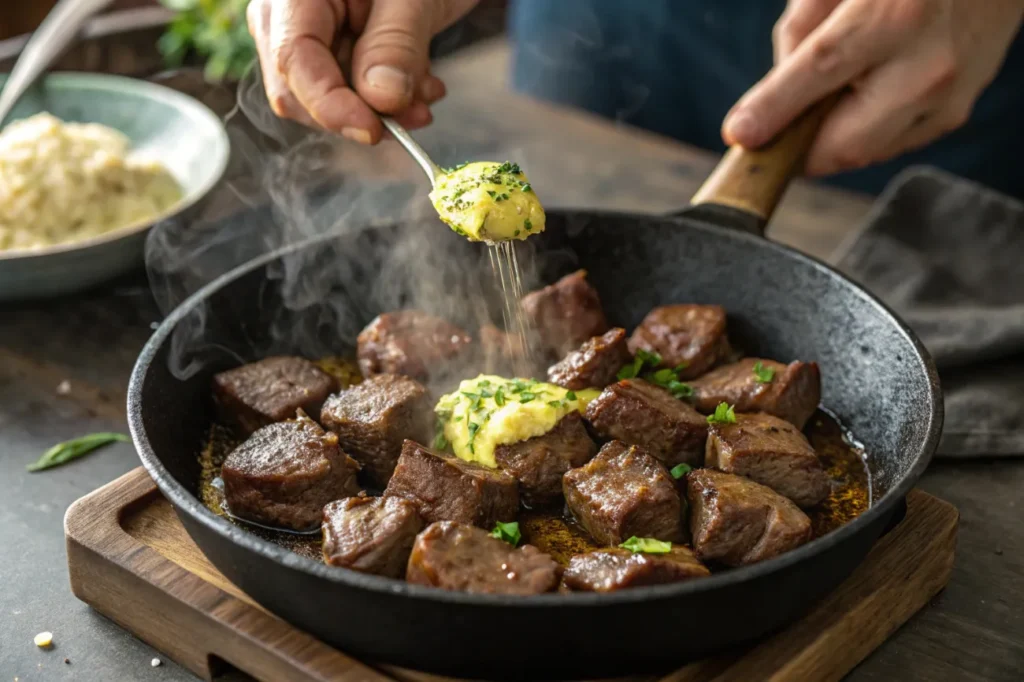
x: 623, y: 492
x: 374, y: 417
x: 411, y: 343
x: 284, y: 474
x: 270, y: 390
x: 737, y: 521
x: 565, y: 314
x: 639, y: 413
x: 792, y: 393
x: 772, y: 452
x: 594, y: 364
x: 690, y: 335
x: 456, y: 556
x: 539, y: 463
x: 370, y: 534
x: 445, y: 488
x: 608, y: 570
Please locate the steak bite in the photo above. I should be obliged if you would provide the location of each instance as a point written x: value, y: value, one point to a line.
x: 565, y: 314
x: 411, y: 343
x: 539, y: 463
x: 791, y: 392
x: 370, y: 534
x: 608, y: 570
x: 687, y: 336
x: 373, y: 417
x: 445, y: 488
x: 594, y: 364
x: 456, y: 556
x: 772, y: 452
x: 637, y: 412
x: 284, y: 474
x: 622, y: 492
x: 270, y: 390
x: 737, y: 521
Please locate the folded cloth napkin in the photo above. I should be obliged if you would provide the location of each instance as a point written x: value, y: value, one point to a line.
x: 948, y: 256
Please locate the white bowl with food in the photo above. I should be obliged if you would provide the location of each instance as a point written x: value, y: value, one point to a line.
x: 88, y: 163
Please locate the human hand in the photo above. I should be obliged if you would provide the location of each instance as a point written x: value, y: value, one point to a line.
x: 914, y: 68
x: 300, y: 43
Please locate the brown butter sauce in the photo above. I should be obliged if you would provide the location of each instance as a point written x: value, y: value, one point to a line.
x: 551, y: 530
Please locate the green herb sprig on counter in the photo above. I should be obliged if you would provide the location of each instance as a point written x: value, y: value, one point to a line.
x: 215, y: 30
x: 62, y: 453
x: 507, y: 532
x: 646, y: 545
x: 723, y: 415
x: 762, y: 374
x: 680, y: 470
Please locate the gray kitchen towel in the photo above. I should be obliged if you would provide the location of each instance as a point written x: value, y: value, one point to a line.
x: 948, y: 256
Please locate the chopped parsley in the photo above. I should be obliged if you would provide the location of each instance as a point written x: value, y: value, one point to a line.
x: 499, y: 397
x: 492, y: 194
x: 527, y: 187
x: 647, y: 545
x: 570, y: 395
x: 507, y: 532
x: 526, y: 396
x: 510, y: 167
x: 762, y: 374
x: 640, y: 360
x: 680, y: 470
x: 723, y: 415
x: 440, y: 441
x: 473, y: 428
x: 527, y: 224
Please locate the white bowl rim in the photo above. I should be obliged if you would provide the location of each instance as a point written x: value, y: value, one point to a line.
x: 154, y: 91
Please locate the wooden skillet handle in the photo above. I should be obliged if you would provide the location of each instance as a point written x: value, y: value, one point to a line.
x: 753, y: 180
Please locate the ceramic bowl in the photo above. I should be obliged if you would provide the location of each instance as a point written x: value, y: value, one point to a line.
x: 185, y: 135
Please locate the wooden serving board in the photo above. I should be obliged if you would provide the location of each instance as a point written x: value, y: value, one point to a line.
x: 130, y: 558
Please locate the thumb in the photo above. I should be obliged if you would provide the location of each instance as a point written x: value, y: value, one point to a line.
x: 392, y: 54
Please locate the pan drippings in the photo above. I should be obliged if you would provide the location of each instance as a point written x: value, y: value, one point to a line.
x: 551, y: 530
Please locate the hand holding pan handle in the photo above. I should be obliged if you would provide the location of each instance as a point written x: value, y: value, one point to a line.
x: 746, y: 185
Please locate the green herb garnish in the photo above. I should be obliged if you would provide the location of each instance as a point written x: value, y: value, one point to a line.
x: 473, y: 428
x: 647, y: 545
x: 507, y: 532
x: 440, y: 441
x: 62, y: 453
x: 762, y: 374
x: 526, y: 396
x: 723, y: 415
x: 499, y: 397
x: 510, y: 167
x: 527, y: 224
x: 680, y: 470
x: 570, y: 395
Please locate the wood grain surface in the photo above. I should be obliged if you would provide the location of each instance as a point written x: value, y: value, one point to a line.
x: 130, y: 558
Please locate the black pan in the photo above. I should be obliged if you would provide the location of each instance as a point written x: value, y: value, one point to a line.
x: 312, y: 298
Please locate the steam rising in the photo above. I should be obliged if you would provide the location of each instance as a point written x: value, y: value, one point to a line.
x: 288, y: 186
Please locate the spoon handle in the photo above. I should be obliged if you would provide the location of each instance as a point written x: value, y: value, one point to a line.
x: 60, y: 27
x: 411, y: 146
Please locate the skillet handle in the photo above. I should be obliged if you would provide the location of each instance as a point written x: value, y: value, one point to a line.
x: 752, y: 181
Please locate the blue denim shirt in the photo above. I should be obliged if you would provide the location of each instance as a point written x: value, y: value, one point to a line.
x: 676, y: 67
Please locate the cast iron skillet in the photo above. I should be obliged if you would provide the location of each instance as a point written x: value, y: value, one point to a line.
x: 313, y: 298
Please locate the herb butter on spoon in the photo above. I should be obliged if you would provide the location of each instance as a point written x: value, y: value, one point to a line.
x: 488, y: 201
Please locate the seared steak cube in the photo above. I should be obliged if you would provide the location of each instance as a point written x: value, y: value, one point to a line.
x: 457, y: 556
x: 608, y: 570
x: 373, y: 417
x: 446, y: 488
x: 640, y: 413
x: 688, y: 336
x: 270, y: 390
x: 622, y: 492
x: 565, y: 314
x: 284, y: 474
x: 791, y: 391
x: 770, y: 451
x: 539, y: 462
x: 370, y: 534
x: 411, y: 343
x: 594, y: 364
x: 736, y: 521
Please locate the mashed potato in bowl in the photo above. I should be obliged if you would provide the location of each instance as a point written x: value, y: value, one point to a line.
x: 66, y: 182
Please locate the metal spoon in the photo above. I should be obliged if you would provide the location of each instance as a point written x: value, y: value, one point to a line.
x: 60, y: 27
x: 410, y: 145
